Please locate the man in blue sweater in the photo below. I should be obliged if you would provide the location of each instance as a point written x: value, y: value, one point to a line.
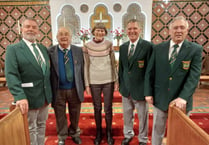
x: 67, y: 85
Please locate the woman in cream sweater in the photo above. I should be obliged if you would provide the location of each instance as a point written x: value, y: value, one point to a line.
x: 100, y: 77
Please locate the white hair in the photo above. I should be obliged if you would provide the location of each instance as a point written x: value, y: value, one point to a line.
x: 179, y: 18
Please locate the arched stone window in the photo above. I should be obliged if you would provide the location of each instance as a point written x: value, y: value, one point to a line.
x: 134, y: 12
x: 70, y: 20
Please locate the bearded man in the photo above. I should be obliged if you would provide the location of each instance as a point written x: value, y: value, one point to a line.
x: 27, y: 70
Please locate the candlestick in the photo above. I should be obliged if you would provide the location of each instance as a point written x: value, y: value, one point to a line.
x: 18, y: 25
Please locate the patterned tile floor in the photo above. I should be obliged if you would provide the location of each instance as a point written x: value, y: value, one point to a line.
x: 201, y: 102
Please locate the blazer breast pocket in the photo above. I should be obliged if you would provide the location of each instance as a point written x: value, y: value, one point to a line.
x: 186, y: 65
x: 141, y: 63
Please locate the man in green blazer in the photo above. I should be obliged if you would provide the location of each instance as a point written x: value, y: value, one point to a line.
x: 172, y: 75
x: 133, y: 59
x: 28, y: 79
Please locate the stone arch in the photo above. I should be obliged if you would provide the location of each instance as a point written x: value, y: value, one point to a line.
x: 134, y: 12
x: 70, y: 20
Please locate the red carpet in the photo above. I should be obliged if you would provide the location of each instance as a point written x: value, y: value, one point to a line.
x: 117, y: 97
x: 88, y: 130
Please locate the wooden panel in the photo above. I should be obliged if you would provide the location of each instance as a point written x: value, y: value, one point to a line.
x: 204, y: 78
x: 183, y: 131
x: 14, y: 129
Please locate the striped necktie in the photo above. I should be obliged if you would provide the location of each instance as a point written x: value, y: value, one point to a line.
x: 131, y: 52
x: 38, y: 58
x: 173, y: 55
x: 68, y: 70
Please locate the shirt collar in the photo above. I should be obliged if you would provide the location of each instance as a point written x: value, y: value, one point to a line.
x: 28, y: 42
x: 135, y: 43
x: 60, y: 47
x: 172, y: 44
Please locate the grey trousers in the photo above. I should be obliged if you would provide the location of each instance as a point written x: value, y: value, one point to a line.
x: 37, y: 125
x: 159, y: 125
x: 129, y: 106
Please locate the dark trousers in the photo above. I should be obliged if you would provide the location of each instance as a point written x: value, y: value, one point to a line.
x: 74, y: 106
x: 96, y: 91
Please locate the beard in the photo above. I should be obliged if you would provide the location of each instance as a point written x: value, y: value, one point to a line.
x: 29, y: 37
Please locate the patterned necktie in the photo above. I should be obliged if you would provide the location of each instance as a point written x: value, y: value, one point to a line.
x: 131, y: 52
x: 38, y: 58
x: 68, y: 70
x: 173, y: 55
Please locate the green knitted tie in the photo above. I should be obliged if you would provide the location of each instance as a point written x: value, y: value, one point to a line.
x: 173, y: 55
x: 131, y: 52
x: 38, y: 58
x: 68, y: 70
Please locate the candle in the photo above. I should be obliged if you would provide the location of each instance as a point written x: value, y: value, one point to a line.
x: 18, y: 25
x: 64, y: 21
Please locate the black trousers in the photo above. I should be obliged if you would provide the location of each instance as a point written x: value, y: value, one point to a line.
x: 96, y: 91
x: 74, y: 106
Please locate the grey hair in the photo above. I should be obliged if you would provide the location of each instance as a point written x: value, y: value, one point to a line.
x: 30, y: 18
x: 179, y: 18
x: 134, y: 21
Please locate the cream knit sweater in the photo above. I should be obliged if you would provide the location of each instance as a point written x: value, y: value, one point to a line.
x: 100, y: 65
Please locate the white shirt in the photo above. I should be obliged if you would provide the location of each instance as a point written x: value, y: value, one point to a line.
x: 135, y: 43
x: 29, y: 44
x: 60, y: 47
x: 171, y: 48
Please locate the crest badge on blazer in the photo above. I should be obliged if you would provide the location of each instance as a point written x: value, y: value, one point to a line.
x: 141, y: 63
x: 186, y: 64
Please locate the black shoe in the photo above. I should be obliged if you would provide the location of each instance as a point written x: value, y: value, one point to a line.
x: 110, y: 141
x: 77, y: 140
x: 61, y: 142
x: 126, y: 141
x: 142, y: 143
x: 97, y: 140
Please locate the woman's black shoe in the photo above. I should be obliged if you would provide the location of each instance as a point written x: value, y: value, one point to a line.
x: 110, y: 141
x: 98, y: 140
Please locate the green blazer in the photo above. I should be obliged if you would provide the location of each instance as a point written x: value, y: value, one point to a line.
x: 165, y: 84
x: 131, y: 71
x: 24, y: 75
